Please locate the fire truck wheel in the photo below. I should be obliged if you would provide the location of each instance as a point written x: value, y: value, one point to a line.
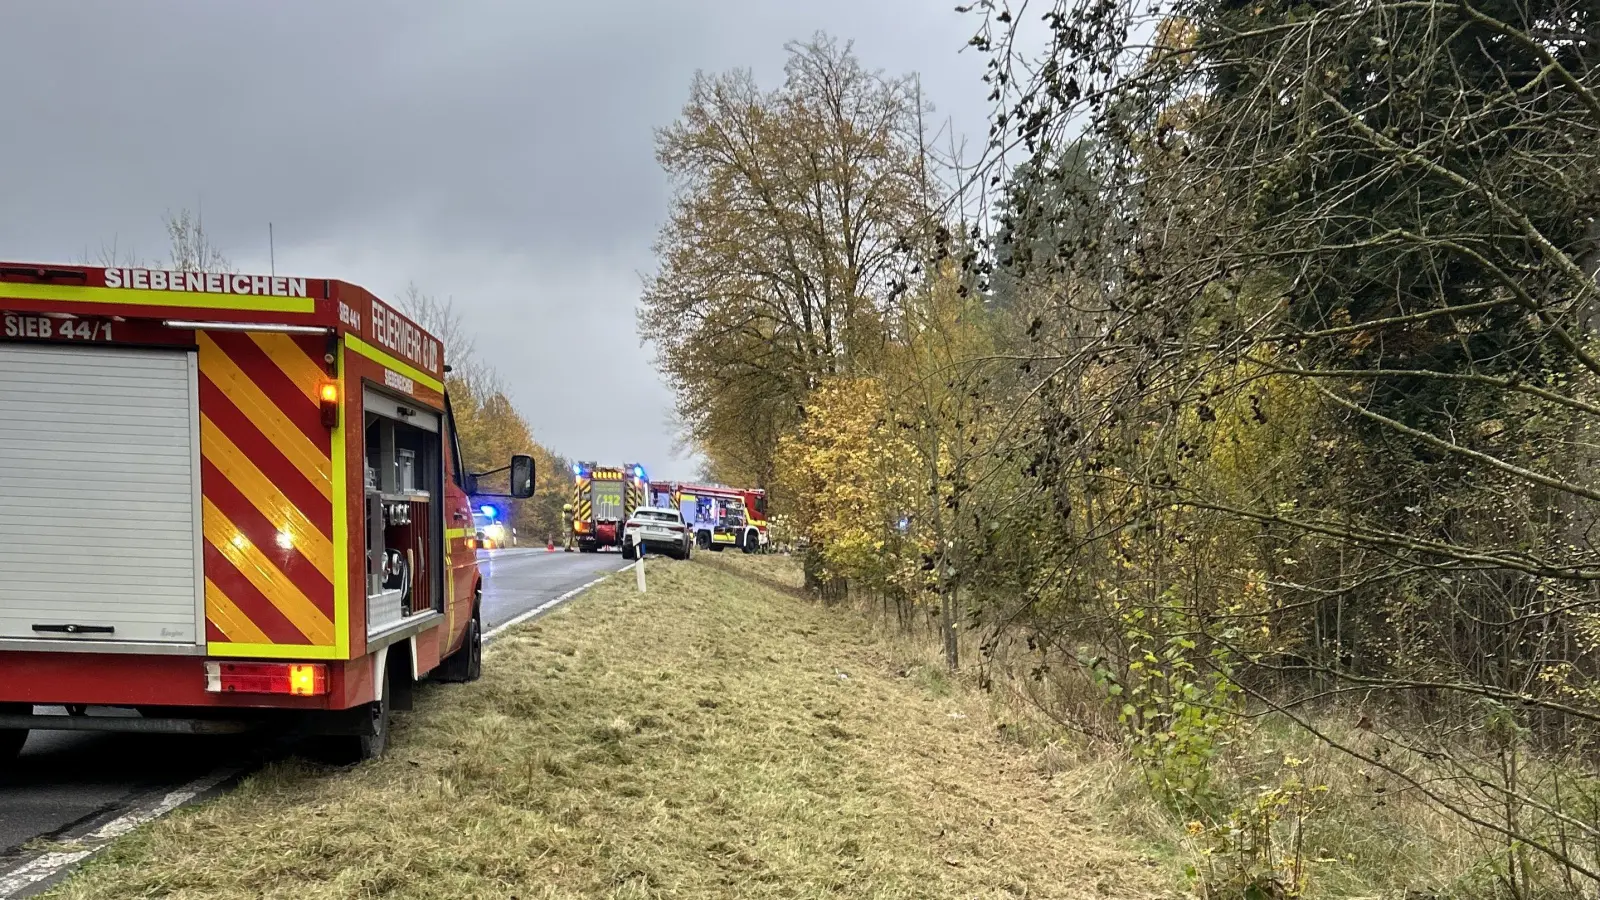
x: 349, y: 749
x: 12, y: 739
x: 466, y: 664
x: 371, y: 746
x: 752, y: 542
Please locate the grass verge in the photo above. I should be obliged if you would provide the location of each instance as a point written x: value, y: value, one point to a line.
x: 1284, y: 802
x: 716, y: 737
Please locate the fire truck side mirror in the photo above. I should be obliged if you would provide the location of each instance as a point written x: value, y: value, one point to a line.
x: 521, y: 476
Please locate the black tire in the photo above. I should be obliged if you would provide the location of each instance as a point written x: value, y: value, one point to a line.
x: 702, y: 539
x: 350, y: 749
x: 628, y: 552
x: 752, y: 542
x: 466, y: 664
x: 372, y: 746
x: 12, y: 739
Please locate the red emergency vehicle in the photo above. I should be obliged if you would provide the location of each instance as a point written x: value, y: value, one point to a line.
x: 603, y: 499
x: 226, y: 500
x: 720, y: 516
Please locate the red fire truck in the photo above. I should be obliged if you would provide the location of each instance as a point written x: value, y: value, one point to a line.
x: 603, y: 497
x: 226, y: 501
x: 720, y: 516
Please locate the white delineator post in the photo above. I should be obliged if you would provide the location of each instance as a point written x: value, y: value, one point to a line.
x: 638, y: 567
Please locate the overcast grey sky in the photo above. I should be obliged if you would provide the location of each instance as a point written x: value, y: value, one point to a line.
x: 498, y: 153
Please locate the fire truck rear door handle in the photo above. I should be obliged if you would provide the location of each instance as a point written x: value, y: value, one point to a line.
x: 460, y: 516
x: 76, y: 629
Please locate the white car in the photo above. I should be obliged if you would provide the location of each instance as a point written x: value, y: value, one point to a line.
x: 658, y: 530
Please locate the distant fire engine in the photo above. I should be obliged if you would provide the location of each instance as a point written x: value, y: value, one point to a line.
x: 720, y: 516
x: 258, y: 507
x: 603, y: 497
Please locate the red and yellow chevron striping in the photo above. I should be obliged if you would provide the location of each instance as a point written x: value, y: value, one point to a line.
x: 268, y: 492
x: 634, y: 499
x: 583, y: 510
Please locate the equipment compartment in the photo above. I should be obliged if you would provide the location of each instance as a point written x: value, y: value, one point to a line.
x: 404, y: 478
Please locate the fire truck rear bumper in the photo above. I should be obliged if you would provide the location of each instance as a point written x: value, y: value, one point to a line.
x: 135, y: 724
x: 145, y: 682
x: 286, y: 721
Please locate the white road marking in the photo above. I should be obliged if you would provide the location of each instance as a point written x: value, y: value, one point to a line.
x: 48, y: 864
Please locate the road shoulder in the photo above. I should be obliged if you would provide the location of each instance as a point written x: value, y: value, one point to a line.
x: 715, y: 737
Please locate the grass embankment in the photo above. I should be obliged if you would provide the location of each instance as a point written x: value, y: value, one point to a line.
x: 717, y: 737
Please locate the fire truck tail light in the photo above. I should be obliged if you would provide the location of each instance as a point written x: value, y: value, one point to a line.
x: 308, y: 680
x: 328, y: 395
x: 294, y: 679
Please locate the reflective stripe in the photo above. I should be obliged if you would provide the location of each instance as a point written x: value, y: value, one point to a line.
x: 384, y: 359
x: 229, y: 619
x: 341, y: 532
x: 265, y: 414
x: 267, y: 578
x: 279, y: 651
x: 182, y: 299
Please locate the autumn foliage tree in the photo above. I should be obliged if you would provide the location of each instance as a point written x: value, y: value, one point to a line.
x: 1314, y: 385
x: 946, y: 405
x: 784, y: 244
x: 853, y: 480
x: 1275, y: 397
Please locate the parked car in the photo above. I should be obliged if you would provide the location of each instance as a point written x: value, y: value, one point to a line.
x: 658, y: 530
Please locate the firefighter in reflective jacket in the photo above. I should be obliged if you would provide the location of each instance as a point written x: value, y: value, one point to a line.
x: 566, y: 527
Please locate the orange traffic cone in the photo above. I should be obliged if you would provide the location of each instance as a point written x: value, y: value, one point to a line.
x: 550, y: 544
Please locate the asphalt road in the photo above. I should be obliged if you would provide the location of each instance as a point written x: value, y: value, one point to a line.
x: 515, y: 581
x: 64, y: 780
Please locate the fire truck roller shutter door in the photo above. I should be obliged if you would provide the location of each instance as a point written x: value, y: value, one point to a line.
x: 99, y: 495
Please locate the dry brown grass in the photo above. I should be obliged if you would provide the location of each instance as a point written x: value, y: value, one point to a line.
x: 717, y: 737
x: 1370, y: 836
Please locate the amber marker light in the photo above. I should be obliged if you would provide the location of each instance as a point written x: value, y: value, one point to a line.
x: 328, y: 397
x: 307, y: 679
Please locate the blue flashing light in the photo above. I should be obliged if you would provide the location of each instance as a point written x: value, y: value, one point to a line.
x: 577, y: 468
x: 488, y: 511
x: 638, y: 471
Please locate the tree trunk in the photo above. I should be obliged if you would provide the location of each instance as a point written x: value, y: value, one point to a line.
x: 947, y: 624
x: 830, y: 590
